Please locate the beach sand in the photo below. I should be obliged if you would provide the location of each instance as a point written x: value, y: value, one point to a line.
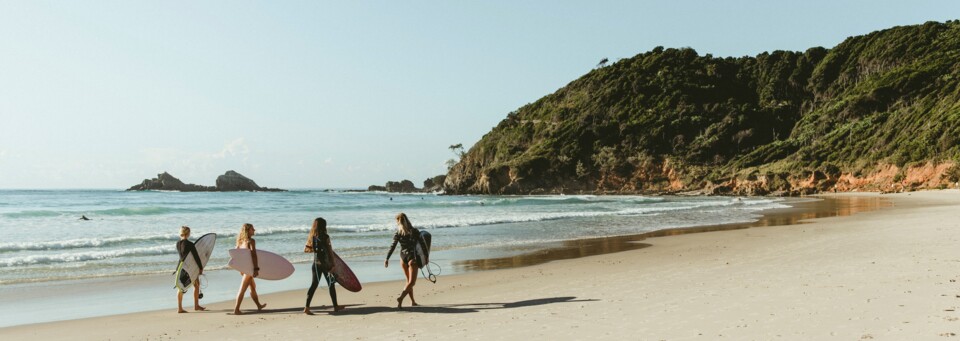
x: 887, y: 274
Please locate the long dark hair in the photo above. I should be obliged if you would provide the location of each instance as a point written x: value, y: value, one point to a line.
x: 319, y: 230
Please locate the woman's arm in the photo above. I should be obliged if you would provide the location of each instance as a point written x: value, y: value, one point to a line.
x: 252, y: 245
x: 396, y: 238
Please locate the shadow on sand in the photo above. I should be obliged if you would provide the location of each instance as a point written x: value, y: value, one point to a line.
x: 458, y: 308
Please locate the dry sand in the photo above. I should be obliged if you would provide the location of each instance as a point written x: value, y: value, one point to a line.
x: 887, y: 274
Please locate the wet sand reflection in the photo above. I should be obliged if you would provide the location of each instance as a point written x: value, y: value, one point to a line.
x: 827, y: 207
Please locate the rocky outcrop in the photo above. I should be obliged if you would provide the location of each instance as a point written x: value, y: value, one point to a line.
x: 405, y: 186
x: 434, y: 184
x: 229, y: 182
x: 235, y: 182
x: 431, y: 185
x: 166, y: 182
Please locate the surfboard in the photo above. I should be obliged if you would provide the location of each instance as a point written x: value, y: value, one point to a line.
x: 272, y: 266
x: 423, y: 255
x: 188, y: 269
x: 344, y: 275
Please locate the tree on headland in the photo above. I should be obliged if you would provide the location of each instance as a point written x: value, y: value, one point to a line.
x: 603, y: 62
x: 457, y: 150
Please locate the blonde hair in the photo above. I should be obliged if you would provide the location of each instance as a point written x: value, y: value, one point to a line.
x: 184, y: 231
x: 244, y: 237
x: 404, y: 227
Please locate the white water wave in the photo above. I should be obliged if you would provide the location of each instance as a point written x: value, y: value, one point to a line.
x: 72, y: 257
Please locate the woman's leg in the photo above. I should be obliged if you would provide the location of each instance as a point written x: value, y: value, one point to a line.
x: 253, y: 294
x: 313, y: 288
x: 406, y: 273
x: 180, y: 302
x: 331, y: 283
x: 244, y: 283
x: 196, y: 296
x: 411, y: 281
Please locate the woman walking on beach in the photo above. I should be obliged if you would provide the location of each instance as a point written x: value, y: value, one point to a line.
x: 245, y: 241
x: 408, y: 237
x: 318, y: 242
x: 185, y: 247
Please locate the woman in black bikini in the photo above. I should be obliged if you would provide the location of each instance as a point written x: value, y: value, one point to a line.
x: 408, y: 237
x: 318, y: 243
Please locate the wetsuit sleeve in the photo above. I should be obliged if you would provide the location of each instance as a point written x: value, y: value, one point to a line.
x: 396, y: 239
x: 180, y: 250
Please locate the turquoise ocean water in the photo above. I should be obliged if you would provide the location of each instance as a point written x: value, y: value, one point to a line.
x: 133, y: 234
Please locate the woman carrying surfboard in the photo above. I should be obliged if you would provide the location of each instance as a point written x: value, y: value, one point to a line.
x: 318, y: 242
x: 408, y: 238
x: 186, y: 247
x: 245, y: 241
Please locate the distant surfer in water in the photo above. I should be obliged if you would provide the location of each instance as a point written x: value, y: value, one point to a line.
x: 407, y: 237
x: 83, y: 217
x: 318, y: 243
x: 245, y: 241
x: 186, y: 247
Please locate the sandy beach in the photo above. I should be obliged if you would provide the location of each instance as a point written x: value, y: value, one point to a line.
x: 887, y: 274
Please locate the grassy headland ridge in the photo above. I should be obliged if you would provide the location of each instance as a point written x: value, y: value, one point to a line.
x: 877, y: 112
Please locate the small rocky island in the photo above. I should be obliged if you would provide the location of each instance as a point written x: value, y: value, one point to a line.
x: 228, y: 182
x: 431, y: 185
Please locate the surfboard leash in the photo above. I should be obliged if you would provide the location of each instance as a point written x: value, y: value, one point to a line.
x: 433, y: 276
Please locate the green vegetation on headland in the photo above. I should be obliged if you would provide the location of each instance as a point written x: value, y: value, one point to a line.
x: 876, y: 112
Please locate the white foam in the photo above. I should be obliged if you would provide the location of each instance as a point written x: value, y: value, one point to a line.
x: 86, y: 256
x: 82, y: 243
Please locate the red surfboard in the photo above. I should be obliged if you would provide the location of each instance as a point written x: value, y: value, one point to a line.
x: 344, y: 275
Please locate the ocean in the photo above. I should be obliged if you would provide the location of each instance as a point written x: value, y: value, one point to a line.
x: 133, y: 234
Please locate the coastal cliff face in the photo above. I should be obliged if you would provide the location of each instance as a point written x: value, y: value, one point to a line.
x: 876, y: 112
x: 228, y: 182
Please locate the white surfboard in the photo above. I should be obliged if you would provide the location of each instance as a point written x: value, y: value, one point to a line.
x: 188, y: 269
x: 272, y: 265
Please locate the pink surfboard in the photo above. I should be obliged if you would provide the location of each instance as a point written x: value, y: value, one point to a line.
x: 344, y: 275
x: 272, y: 266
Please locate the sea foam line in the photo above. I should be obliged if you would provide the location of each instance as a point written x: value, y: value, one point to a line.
x: 82, y: 243
x: 86, y: 256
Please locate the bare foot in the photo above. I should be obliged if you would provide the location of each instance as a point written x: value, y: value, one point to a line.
x: 237, y: 312
x: 307, y: 311
x: 414, y: 304
x: 199, y: 308
x: 400, y: 302
x: 260, y: 307
x: 339, y: 308
x: 181, y: 311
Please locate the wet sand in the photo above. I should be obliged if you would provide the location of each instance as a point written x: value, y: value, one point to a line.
x: 889, y: 273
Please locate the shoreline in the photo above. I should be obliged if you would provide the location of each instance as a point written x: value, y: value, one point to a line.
x: 60, y: 300
x: 82, y: 295
x: 371, y: 296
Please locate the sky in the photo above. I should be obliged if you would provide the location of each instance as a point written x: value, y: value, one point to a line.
x: 311, y: 94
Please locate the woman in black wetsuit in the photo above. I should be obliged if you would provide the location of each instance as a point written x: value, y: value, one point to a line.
x: 185, y: 247
x: 318, y: 243
x: 408, y: 238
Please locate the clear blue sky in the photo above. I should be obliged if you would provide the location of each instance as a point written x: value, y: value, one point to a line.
x: 304, y: 94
